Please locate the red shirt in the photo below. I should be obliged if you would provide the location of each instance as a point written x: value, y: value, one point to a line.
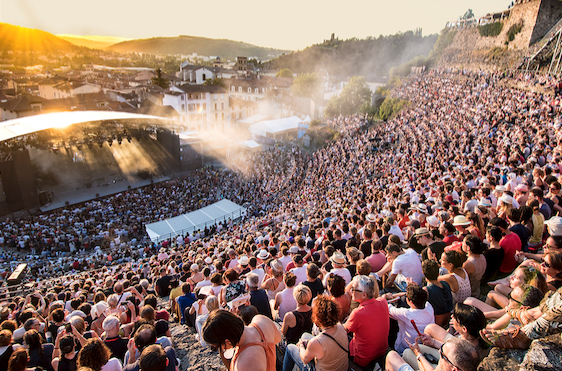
x: 449, y: 240
x: 510, y: 244
x: 370, y: 338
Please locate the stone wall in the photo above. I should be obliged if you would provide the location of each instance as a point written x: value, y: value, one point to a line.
x: 470, y: 49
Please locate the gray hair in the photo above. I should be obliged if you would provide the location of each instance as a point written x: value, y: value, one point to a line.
x: 110, y: 322
x: 464, y: 353
x: 252, y: 280
x: 365, y: 284
x: 113, y: 300
x: 144, y: 283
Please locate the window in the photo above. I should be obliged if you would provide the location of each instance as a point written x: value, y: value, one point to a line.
x: 257, y: 90
x: 183, y: 107
x: 182, y: 97
x: 198, y: 106
x: 216, y: 96
x: 222, y: 96
x: 233, y: 88
x: 223, y: 115
x: 216, y: 106
x: 204, y: 106
x: 216, y: 116
x: 191, y: 107
x: 222, y: 105
x: 240, y: 89
x: 263, y: 90
x: 204, y: 77
x: 249, y: 90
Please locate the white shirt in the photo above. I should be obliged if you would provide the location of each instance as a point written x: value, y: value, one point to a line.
x: 285, y: 260
x: 407, y: 265
x: 422, y: 317
x: 300, y: 272
x: 113, y: 364
x: 342, y: 272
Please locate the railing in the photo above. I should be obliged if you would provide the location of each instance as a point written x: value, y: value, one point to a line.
x: 473, y: 22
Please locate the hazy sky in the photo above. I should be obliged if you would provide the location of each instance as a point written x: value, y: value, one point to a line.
x: 289, y: 24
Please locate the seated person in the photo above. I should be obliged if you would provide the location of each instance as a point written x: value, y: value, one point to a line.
x: 439, y: 293
x: 370, y: 338
x: 455, y: 352
x: 297, y: 322
x: 420, y: 311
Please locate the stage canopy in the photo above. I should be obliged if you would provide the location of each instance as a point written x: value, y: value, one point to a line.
x: 206, y: 216
x: 26, y: 125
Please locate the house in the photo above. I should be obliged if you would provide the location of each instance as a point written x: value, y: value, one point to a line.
x: 195, y: 74
x: 57, y: 87
x: 25, y: 105
x: 248, y: 88
x: 241, y: 109
x: 201, y: 107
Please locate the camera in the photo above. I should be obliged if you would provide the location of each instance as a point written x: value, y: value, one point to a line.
x: 68, y: 328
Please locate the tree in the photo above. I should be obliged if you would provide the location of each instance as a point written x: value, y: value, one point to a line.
x: 306, y: 85
x: 160, y: 80
x: 355, y: 96
x: 285, y: 72
x: 216, y: 81
x: 467, y: 15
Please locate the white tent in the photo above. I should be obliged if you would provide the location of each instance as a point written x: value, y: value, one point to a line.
x: 250, y: 145
x: 206, y: 216
x: 278, y: 126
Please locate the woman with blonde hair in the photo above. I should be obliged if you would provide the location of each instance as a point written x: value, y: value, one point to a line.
x: 476, y: 227
x: 298, y: 321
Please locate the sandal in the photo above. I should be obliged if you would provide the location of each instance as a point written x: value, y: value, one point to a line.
x: 511, y: 338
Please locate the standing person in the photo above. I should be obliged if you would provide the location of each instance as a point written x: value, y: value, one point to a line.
x: 370, y: 338
x: 256, y: 342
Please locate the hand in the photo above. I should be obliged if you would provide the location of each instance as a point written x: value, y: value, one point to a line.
x: 409, y: 281
x: 131, y: 346
x: 388, y: 296
x: 425, y: 339
x: 415, y: 347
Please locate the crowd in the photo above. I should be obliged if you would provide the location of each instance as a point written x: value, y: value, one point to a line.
x: 416, y: 243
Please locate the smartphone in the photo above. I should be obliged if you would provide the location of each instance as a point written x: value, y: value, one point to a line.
x: 431, y: 358
x: 68, y: 328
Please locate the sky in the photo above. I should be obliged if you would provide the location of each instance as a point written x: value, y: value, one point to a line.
x: 288, y: 24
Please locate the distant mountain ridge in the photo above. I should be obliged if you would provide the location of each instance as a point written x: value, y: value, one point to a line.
x: 16, y: 38
x: 193, y: 44
x: 93, y: 42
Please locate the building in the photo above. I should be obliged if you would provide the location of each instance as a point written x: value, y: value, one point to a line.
x: 195, y: 74
x: 248, y: 88
x: 201, y: 107
x: 58, y: 87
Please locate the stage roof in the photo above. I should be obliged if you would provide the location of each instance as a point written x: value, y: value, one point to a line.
x: 26, y: 125
x: 198, y: 219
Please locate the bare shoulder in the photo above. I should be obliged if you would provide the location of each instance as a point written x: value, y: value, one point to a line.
x: 267, y: 326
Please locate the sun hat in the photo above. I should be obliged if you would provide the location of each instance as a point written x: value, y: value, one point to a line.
x: 370, y: 218
x: 432, y: 220
x: 460, y: 220
x: 263, y: 254
x: 338, y: 258
x: 506, y: 199
x: 244, y: 260
x: 421, y: 232
x: 293, y: 250
x: 554, y: 225
x: 276, y: 265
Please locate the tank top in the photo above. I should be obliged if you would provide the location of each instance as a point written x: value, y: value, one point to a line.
x: 335, y: 358
x: 304, y: 324
x: 479, y: 263
x: 464, y: 288
x: 440, y: 298
x: 538, y: 228
x: 279, y: 286
x: 66, y: 364
x: 268, y: 347
x: 288, y: 302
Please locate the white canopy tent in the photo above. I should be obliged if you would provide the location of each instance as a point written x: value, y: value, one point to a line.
x: 206, y: 216
x: 274, y: 127
x: 251, y: 145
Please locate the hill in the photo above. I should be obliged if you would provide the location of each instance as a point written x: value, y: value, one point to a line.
x: 191, y: 44
x: 370, y: 57
x: 93, y: 42
x: 22, y: 39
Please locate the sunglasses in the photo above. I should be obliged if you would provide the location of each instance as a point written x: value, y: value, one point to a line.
x: 547, y: 265
x: 447, y: 359
x: 511, y: 298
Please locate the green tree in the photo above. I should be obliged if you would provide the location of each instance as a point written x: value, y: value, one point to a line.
x: 467, y: 15
x: 306, y: 85
x: 285, y: 72
x: 216, y: 81
x: 160, y: 80
x: 355, y: 96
